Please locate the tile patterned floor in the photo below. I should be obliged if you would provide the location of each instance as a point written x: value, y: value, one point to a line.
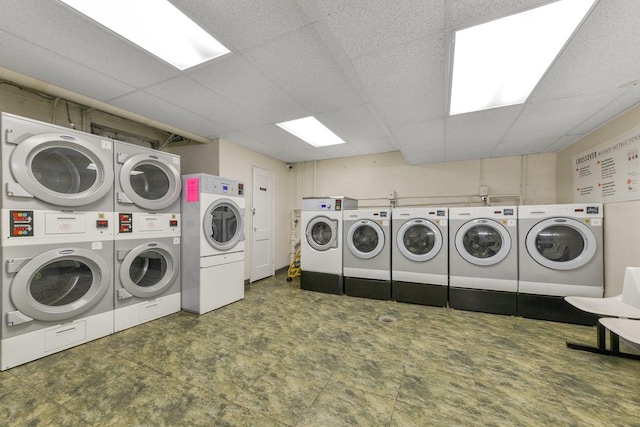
x: 286, y: 357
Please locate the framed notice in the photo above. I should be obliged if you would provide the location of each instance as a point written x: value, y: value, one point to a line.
x: 609, y: 172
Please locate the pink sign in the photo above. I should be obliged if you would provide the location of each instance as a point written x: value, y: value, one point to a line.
x: 192, y: 190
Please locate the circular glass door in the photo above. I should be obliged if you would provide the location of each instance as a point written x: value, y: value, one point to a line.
x: 365, y: 239
x: 148, y: 270
x: 483, y: 242
x: 60, y: 284
x: 561, y: 243
x: 62, y: 169
x: 322, y: 233
x: 419, y: 240
x: 224, y: 224
x: 149, y: 182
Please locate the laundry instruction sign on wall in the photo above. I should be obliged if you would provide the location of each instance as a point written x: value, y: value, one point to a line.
x: 609, y: 172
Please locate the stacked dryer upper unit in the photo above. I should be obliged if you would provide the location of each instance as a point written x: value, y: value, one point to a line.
x: 213, y: 242
x: 561, y: 254
x: 420, y: 256
x: 147, y: 242
x: 483, y: 259
x: 367, y: 254
x: 321, y: 248
x: 57, y: 239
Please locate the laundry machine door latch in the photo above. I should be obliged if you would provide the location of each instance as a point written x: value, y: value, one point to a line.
x: 16, y: 318
x: 123, y: 294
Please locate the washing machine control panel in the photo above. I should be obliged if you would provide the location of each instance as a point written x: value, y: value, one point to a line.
x: 125, y: 223
x: 21, y: 223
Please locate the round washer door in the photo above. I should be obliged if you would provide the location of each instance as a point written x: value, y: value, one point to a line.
x: 62, y: 169
x: 60, y: 284
x: 483, y: 242
x: 149, y: 269
x: 365, y: 239
x: 149, y: 182
x: 419, y: 240
x: 322, y: 233
x: 224, y: 224
x: 561, y: 243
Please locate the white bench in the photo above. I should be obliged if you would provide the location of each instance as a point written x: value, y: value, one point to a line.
x: 627, y: 329
x: 624, y: 306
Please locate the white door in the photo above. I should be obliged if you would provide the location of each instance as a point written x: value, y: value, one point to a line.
x: 263, y: 201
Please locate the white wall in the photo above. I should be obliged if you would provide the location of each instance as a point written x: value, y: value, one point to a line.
x: 237, y: 162
x: 510, y: 180
x: 622, y: 219
x: 197, y: 157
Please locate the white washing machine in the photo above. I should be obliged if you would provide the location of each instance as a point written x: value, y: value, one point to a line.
x: 561, y: 254
x: 212, y: 242
x: 146, y: 180
x: 483, y: 259
x: 420, y: 255
x: 321, y: 247
x: 147, y: 268
x: 367, y: 254
x: 57, y: 282
x: 51, y: 167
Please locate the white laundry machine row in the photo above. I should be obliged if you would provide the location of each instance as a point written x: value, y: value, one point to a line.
x: 146, y: 180
x: 321, y: 248
x: 420, y: 255
x: 57, y: 282
x: 561, y: 254
x: 367, y: 253
x: 49, y: 167
x: 147, y: 268
x: 483, y: 259
x: 212, y: 242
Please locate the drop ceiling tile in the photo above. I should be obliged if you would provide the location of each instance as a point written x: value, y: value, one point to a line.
x: 234, y: 78
x: 365, y: 26
x: 374, y: 146
x: 522, y: 147
x: 406, y: 83
x: 465, y: 13
x: 468, y: 153
x: 424, y: 157
x: 606, y: 45
x: 415, y: 137
x: 340, y: 150
x: 33, y: 61
x: 76, y: 38
x: 302, y: 156
x: 192, y: 96
x: 239, y: 24
x: 288, y: 157
x: 628, y: 98
x: 557, y: 117
x: 353, y: 124
x: 302, y: 66
x: 277, y: 138
x: 245, y: 141
x: 481, y: 127
x: 162, y: 111
x: 562, y: 143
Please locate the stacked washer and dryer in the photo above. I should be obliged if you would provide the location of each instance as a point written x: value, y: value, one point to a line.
x: 57, y: 239
x: 213, y: 216
x: 147, y: 240
x: 561, y: 254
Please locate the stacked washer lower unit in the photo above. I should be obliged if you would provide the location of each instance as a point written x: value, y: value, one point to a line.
x: 147, y: 241
x: 57, y: 239
x: 213, y: 253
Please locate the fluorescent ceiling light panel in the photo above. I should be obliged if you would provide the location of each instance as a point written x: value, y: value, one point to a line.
x: 500, y: 62
x: 156, y: 26
x: 311, y: 131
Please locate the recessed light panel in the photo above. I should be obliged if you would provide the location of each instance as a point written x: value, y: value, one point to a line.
x: 500, y: 62
x: 311, y: 131
x: 156, y: 26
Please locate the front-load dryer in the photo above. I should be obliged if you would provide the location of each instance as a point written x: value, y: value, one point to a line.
x: 212, y: 242
x: 147, y: 268
x: 420, y: 255
x: 561, y: 254
x: 57, y: 283
x: 367, y: 254
x: 483, y: 259
x: 321, y: 245
x: 146, y: 180
x: 49, y: 167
